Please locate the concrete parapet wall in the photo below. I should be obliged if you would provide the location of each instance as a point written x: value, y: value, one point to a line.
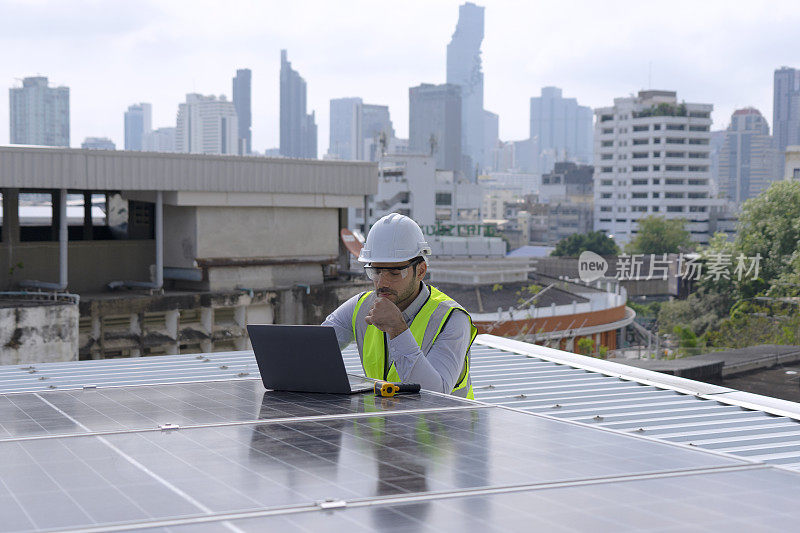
x: 38, y: 332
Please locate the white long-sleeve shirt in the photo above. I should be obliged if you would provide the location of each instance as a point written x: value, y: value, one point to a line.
x: 440, y: 370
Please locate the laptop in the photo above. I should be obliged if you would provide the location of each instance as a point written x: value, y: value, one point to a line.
x: 303, y: 359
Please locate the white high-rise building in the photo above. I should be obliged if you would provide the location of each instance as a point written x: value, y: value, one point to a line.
x: 160, y: 140
x: 652, y: 158
x: 39, y: 114
x: 207, y: 125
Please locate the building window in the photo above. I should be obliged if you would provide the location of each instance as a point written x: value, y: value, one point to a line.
x: 673, y: 195
x: 605, y: 195
x: 654, y: 209
x: 605, y: 208
x: 698, y: 155
x: 640, y: 141
x: 640, y: 209
x: 606, y: 157
x: 606, y: 144
x: 697, y: 208
x: 698, y: 128
x: 673, y: 181
x: 674, y: 168
x: 608, y: 130
x: 656, y: 154
x: 639, y: 168
x: 698, y: 182
x: 638, y: 195
x: 656, y: 181
x: 698, y: 168
x: 657, y: 140
x: 676, y: 127
x: 656, y: 126
x: 639, y: 182
x: 796, y: 174
x: 699, y: 114
x: 641, y: 128
x: 606, y: 118
x: 607, y: 183
x: 607, y: 169
x: 676, y: 154
x: 674, y: 209
x: 698, y: 195
x: 640, y: 155
x: 444, y: 198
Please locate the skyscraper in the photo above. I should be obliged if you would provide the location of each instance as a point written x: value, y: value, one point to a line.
x: 747, y: 159
x: 138, y: 123
x: 241, y: 101
x: 39, y: 114
x: 376, y: 127
x: 562, y: 129
x: 435, y: 123
x: 298, y: 129
x: 346, y: 138
x: 786, y: 111
x: 207, y: 125
x: 464, y: 70
x: 491, y: 135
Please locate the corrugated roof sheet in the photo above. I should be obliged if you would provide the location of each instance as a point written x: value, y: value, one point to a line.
x: 56, y: 168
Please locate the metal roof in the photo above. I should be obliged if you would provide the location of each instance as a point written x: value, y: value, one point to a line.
x: 56, y: 168
x: 514, y: 374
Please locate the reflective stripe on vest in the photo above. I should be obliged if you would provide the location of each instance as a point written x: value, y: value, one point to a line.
x: 427, y: 324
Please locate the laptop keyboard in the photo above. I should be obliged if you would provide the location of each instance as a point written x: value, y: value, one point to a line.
x: 359, y: 383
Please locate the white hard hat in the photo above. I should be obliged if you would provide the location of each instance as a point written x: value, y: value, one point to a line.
x: 393, y: 239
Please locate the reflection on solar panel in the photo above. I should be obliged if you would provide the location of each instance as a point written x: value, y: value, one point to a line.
x: 204, y: 455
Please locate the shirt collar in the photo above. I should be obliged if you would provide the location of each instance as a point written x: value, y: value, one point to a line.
x: 412, y: 310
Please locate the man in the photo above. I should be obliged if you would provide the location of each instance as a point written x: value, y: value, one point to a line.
x: 406, y: 330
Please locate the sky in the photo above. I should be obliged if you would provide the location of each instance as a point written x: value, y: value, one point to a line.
x: 112, y: 54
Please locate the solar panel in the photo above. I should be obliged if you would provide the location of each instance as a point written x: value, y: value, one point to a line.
x: 749, y: 500
x: 228, y: 452
x: 189, y: 404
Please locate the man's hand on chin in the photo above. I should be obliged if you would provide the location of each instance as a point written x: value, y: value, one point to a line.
x: 387, y: 317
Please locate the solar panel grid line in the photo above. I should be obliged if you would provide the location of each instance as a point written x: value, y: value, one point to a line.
x: 356, y: 503
x: 138, y: 464
x: 141, y: 383
x: 156, y: 429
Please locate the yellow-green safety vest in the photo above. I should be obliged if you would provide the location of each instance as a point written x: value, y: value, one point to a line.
x: 426, y: 326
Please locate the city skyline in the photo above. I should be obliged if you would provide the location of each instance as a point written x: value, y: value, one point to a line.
x: 159, y: 53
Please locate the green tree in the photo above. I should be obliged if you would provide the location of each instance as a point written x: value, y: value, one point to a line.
x: 577, y: 243
x: 585, y: 346
x: 769, y: 226
x: 658, y: 235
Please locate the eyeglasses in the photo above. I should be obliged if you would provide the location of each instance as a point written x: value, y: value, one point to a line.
x: 393, y: 273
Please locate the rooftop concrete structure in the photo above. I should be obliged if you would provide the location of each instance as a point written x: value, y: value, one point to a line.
x: 228, y: 221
